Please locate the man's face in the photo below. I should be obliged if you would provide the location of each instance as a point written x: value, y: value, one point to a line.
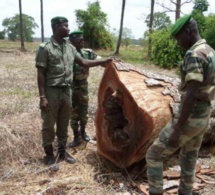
x: 183, y: 39
x: 63, y: 29
x: 78, y: 42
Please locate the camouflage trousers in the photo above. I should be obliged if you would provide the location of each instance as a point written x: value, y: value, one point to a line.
x: 80, y: 99
x: 58, y: 113
x: 189, y: 143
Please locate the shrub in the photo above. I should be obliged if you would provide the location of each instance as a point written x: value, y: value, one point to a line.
x: 165, y: 51
x: 208, y: 34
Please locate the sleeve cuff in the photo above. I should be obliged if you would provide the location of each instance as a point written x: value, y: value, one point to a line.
x: 41, y: 64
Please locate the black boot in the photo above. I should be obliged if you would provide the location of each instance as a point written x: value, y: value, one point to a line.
x: 63, y: 155
x: 76, y: 141
x: 49, y: 159
x: 84, y: 136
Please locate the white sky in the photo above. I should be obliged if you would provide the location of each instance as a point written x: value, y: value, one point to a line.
x: 134, y: 9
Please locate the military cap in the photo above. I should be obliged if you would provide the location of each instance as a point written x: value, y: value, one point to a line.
x: 75, y: 34
x: 58, y: 20
x: 179, y: 24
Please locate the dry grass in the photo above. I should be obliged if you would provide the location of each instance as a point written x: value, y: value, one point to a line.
x: 21, y: 167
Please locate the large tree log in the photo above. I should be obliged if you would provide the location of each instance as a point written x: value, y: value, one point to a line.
x: 133, y: 106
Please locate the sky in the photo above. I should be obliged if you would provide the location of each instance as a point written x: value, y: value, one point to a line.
x: 135, y: 11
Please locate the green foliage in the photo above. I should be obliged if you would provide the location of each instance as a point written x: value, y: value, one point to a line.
x: 160, y: 20
x: 12, y: 27
x: 200, y: 19
x: 2, y: 34
x: 208, y: 34
x: 93, y: 22
x: 201, y: 5
x: 165, y: 51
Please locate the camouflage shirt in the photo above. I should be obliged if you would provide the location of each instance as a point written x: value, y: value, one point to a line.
x: 82, y: 73
x: 58, y: 61
x: 199, y: 65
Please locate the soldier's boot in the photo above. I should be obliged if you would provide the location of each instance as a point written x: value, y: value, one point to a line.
x: 63, y: 155
x: 49, y: 159
x: 76, y: 141
x: 84, y: 136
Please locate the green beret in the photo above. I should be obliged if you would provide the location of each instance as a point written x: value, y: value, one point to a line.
x: 58, y: 20
x: 75, y: 34
x: 179, y: 24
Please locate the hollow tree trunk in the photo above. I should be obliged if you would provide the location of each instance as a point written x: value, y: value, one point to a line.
x: 133, y: 106
x: 131, y: 112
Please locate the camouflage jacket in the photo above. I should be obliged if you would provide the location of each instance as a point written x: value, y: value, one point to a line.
x: 58, y: 61
x: 199, y: 65
x: 82, y: 73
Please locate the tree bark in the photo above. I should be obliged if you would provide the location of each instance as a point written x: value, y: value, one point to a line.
x: 150, y: 28
x: 41, y: 16
x: 21, y: 26
x: 121, y: 28
x: 178, y: 9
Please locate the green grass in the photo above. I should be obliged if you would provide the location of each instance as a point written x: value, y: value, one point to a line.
x: 15, y: 45
x: 132, y: 54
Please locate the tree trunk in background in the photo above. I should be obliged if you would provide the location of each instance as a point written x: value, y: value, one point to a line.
x: 150, y: 28
x: 41, y: 17
x: 21, y: 26
x: 178, y: 9
x: 121, y: 28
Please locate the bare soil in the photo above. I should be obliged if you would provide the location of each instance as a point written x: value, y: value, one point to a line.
x: 21, y: 164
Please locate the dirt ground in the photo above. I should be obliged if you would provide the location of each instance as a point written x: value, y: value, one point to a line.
x: 21, y: 168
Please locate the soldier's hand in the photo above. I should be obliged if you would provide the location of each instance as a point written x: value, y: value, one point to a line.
x: 43, y: 104
x: 174, y: 137
x: 106, y: 62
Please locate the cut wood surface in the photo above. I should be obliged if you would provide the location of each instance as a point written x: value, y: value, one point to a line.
x: 133, y: 106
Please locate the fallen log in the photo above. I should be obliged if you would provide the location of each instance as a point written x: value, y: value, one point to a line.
x: 133, y: 106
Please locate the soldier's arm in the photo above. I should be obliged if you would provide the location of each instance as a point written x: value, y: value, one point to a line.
x: 41, y: 72
x: 92, y: 63
x: 188, y: 102
x: 41, y: 64
x: 187, y: 106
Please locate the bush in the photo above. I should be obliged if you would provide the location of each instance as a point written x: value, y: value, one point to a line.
x: 208, y: 34
x: 165, y: 51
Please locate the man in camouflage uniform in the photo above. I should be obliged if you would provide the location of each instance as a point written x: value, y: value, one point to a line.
x: 186, y: 129
x: 80, y: 99
x: 54, y: 62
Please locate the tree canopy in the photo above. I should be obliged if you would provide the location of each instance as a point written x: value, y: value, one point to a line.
x: 160, y: 20
x: 12, y: 27
x: 93, y: 22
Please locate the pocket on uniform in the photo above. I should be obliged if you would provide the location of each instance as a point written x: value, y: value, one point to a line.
x: 166, y: 133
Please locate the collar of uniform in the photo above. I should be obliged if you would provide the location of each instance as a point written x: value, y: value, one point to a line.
x: 199, y: 42
x: 54, y: 42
